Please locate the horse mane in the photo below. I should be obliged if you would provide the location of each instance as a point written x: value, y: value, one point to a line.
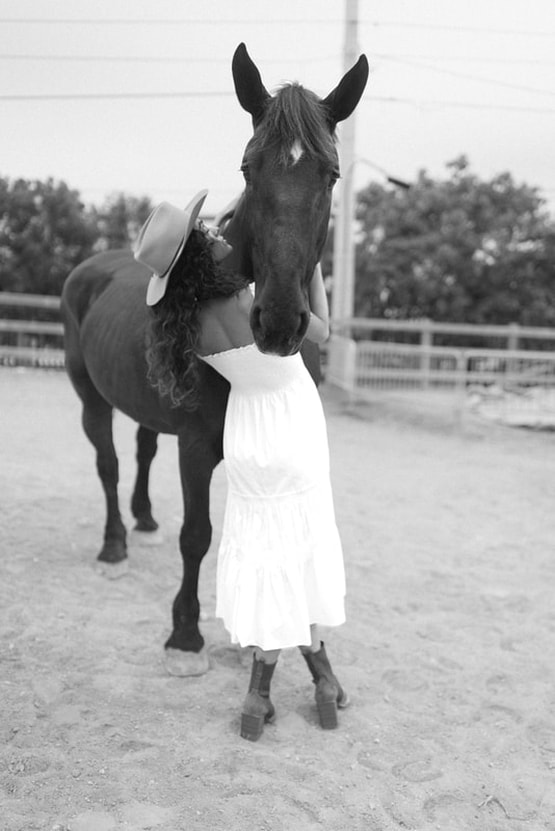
x: 295, y: 114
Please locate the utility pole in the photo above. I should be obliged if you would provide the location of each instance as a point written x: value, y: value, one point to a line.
x: 343, y: 289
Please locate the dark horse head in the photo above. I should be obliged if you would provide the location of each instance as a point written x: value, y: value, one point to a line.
x: 290, y: 166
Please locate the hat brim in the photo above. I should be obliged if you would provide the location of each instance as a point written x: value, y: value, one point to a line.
x: 159, y: 282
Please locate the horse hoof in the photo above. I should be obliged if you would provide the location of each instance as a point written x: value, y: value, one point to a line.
x: 113, y: 571
x: 184, y: 664
x: 113, y: 551
x: 146, y: 524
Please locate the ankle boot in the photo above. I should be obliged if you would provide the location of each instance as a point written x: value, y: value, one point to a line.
x: 329, y: 695
x: 257, y: 707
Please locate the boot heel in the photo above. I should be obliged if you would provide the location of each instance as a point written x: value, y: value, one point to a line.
x: 327, y: 711
x: 251, y: 727
x: 329, y: 693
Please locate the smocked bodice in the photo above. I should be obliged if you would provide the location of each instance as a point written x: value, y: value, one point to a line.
x: 249, y: 370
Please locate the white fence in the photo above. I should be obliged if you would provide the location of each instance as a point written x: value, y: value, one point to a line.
x: 401, y: 366
x: 366, y: 365
x: 507, y: 385
x: 429, y: 332
x: 362, y: 367
x: 31, y: 342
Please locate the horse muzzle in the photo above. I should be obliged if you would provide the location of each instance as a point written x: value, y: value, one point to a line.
x: 279, y: 333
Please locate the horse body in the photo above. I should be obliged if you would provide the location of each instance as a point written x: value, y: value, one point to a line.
x: 112, y: 345
x: 277, y: 233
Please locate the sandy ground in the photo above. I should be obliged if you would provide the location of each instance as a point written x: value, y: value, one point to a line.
x: 448, y: 653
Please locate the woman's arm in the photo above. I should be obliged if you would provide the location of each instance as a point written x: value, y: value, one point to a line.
x: 227, y: 212
x: 319, y: 324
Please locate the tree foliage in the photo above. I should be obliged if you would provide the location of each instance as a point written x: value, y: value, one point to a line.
x: 459, y: 249
x: 120, y: 219
x: 46, y: 230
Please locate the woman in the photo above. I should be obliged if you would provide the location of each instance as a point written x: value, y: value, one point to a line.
x: 280, y: 564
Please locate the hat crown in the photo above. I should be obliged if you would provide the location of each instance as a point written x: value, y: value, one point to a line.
x: 161, y: 236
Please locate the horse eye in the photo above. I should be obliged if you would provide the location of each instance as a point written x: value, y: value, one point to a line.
x: 334, y: 176
x: 246, y: 172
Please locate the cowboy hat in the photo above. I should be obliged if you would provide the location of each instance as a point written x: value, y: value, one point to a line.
x: 162, y: 239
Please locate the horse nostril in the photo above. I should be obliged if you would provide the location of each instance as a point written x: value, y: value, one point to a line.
x: 303, y: 324
x: 255, y: 318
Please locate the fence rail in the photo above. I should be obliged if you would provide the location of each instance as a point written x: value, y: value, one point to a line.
x: 359, y: 366
x: 398, y: 365
x: 36, y: 301
x: 426, y: 332
x: 36, y: 343
x: 32, y: 327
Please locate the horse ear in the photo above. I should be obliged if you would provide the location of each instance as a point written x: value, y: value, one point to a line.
x: 249, y: 88
x: 341, y: 102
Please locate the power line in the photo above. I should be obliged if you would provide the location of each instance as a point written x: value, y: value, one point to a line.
x: 165, y: 21
x: 401, y: 56
x: 154, y: 59
x: 513, y: 60
x: 175, y: 21
x: 435, y: 104
x: 469, y: 105
x: 114, y: 58
x: 455, y: 73
x: 441, y: 27
x: 89, y: 96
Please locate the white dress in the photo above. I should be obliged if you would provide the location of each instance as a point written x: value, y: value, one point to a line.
x: 280, y: 563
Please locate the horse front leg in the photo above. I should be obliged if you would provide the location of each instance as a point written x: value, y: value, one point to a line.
x: 97, y: 423
x: 185, y: 652
x: 141, y: 508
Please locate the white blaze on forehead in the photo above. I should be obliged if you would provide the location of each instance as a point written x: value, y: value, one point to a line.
x: 296, y: 151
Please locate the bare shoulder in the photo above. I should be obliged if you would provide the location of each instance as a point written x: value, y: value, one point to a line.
x: 225, y: 323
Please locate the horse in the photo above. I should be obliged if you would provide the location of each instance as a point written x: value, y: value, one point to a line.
x: 277, y: 232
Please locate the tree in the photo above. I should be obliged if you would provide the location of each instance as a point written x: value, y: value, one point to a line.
x: 459, y: 249
x: 120, y: 219
x: 44, y: 232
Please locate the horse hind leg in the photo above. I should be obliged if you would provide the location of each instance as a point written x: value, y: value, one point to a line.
x: 185, y: 652
x: 141, y: 508
x: 97, y: 423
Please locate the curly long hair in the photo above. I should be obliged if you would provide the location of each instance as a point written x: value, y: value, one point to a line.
x: 174, y: 329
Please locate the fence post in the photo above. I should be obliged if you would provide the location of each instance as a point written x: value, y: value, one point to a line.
x: 460, y: 385
x: 425, y: 344
x: 513, y: 336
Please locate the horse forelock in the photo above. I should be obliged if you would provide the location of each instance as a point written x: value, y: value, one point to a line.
x: 294, y: 124
x: 296, y: 151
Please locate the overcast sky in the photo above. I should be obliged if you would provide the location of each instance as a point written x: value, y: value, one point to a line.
x: 447, y: 77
